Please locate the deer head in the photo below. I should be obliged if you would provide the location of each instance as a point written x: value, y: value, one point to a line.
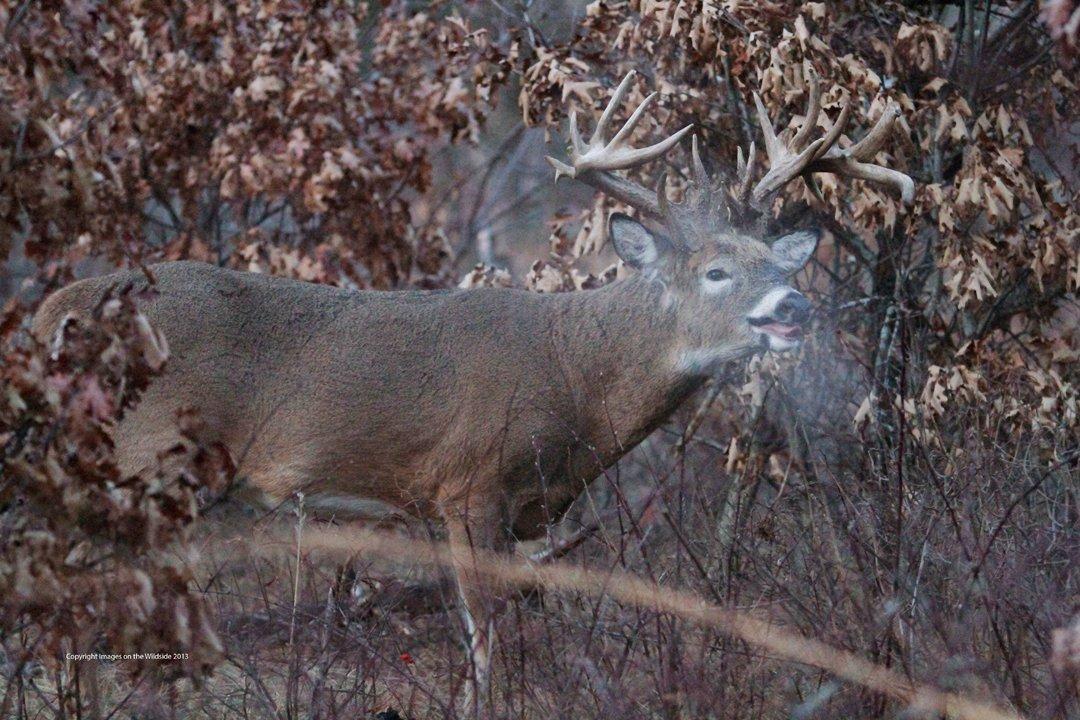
x: 729, y: 288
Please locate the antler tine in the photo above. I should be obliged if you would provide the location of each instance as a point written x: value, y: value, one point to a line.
x: 866, y: 149
x: 632, y: 121
x: 697, y: 168
x: 812, y: 111
x: 627, y: 157
x: 612, y: 106
x: 829, y: 141
x: 594, y: 162
x: 662, y: 201
x: 575, y: 135
x: 745, y: 171
x: 772, y: 145
x: 879, y: 174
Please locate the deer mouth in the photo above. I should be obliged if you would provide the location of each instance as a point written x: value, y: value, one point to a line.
x: 784, y: 331
x: 781, y: 330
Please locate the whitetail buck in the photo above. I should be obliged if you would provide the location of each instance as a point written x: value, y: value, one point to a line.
x: 487, y: 409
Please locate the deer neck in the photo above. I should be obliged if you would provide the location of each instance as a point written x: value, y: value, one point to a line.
x: 618, y: 346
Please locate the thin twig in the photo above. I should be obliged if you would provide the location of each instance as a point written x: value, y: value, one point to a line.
x: 296, y: 576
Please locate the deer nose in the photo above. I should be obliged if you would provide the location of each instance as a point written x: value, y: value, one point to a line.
x: 793, y: 308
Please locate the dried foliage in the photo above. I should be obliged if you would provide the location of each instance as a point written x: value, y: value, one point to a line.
x: 124, y: 121
x: 91, y: 559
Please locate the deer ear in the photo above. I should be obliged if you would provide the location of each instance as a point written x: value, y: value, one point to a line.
x: 793, y: 251
x: 633, y: 242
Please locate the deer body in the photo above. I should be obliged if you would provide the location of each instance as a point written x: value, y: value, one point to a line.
x: 423, y: 400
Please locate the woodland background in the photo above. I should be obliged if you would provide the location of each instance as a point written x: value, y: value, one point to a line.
x: 905, y: 487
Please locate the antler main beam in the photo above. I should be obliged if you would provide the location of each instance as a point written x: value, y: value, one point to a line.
x: 595, y: 161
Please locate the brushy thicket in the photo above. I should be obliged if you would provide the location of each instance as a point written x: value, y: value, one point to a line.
x: 904, y: 487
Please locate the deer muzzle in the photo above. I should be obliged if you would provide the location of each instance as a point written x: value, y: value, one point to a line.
x: 781, y: 317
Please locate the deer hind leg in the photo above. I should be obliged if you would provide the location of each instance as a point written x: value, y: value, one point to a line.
x: 470, y: 539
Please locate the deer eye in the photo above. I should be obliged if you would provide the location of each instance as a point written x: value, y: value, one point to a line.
x: 716, y: 275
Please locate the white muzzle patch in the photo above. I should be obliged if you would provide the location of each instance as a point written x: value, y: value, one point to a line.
x: 777, y: 335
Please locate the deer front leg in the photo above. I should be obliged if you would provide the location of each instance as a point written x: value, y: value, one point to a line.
x: 471, y: 536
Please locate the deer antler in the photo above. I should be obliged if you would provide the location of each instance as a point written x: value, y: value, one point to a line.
x: 857, y: 160
x: 802, y: 157
x: 707, y: 204
x: 594, y: 162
